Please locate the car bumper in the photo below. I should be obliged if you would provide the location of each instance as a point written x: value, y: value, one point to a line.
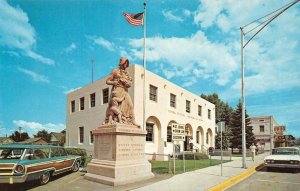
x: 282, y: 165
x: 12, y: 179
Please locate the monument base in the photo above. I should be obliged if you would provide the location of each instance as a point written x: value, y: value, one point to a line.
x: 118, y: 155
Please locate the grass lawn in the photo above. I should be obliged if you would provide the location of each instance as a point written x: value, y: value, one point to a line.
x: 162, y: 167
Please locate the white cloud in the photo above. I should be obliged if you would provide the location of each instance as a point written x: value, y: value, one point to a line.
x: 187, y: 12
x: 16, y: 33
x: 70, y: 48
x: 11, y: 53
x: 33, y: 127
x: 102, y: 42
x: 35, y: 76
x: 171, y: 17
x: 189, y: 81
x: 71, y: 90
x: 198, y: 53
x: 271, y: 58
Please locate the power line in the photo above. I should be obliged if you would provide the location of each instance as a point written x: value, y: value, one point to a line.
x: 284, y: 8
x: 268, y: 15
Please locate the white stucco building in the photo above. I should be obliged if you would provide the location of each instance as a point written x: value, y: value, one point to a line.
x: 265, y: 128
x: 166, y: 103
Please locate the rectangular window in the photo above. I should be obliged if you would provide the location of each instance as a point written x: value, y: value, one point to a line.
x: 149, y: 129
x: 153, y: 93
x: 91, y: 137
x: 173, y: 100
x: 73, y: 106
x: 169, y: 134
x: 199, y: 110
x: 188, y: 106
x: 81, y: 104
x: 92, y: 100
x: 81, y: 134
x: 197, y: 136
x: 209, y: 114
x: 261, y: 128
x: 105, y: 95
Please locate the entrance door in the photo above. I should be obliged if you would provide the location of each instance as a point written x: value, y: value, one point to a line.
x: 187, y: 143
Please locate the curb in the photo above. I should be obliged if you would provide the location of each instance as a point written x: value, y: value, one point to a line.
x: 236, y: 179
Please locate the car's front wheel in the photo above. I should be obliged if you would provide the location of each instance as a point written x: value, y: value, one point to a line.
x: 44, y: 179
x: 76, y: 166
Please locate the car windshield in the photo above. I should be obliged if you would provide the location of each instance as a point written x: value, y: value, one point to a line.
x: 285, y: 151
x: 9, y: 153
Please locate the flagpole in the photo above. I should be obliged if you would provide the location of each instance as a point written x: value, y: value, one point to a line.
x: 144, y: 64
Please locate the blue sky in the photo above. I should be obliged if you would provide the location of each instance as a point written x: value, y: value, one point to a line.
x: 46, y: 48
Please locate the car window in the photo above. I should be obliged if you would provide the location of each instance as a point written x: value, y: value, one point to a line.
x: 9, y: 153
x: 55, y: 152
x: 62, y: 152
x: 40, y: 153
x: 285, y: 151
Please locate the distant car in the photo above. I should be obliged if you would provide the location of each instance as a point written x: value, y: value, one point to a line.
x: 20, y: 163
x: 284, y: 157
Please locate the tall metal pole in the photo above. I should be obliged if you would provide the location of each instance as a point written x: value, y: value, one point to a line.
x: 222, y: 148
x: 144, y: 64
x: 243, y: 101
x: 284, y: 8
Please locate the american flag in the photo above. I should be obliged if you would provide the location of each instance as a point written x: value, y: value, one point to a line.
x: 134, y: 19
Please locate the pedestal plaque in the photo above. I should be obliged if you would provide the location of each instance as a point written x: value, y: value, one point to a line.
x: 118, y: 155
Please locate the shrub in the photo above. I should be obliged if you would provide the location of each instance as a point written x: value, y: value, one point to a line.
x: 78, y: 152
x: 190, y: 156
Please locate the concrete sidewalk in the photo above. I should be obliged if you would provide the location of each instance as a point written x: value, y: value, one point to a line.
x: 205, y: 178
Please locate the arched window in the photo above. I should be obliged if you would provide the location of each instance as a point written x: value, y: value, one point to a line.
x: 207, y: 138
x: 169, y: 134
x: 149, y: 129
x: 197, y: 137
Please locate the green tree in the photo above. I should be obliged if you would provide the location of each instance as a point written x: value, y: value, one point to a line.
x: 226, y: 139
x: 236, y: 128
x: 44, y: 134
x: 17, y: 136
x: 222, y: 110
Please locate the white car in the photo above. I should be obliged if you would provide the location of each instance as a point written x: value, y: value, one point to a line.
x: 283, y: 157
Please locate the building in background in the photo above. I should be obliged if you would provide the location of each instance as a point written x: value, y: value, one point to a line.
x: 57, y: 138
x: 166, y: 103
x: 266, y: 129
x: 6, y: 140
x: 284, y: 141
x: 34, y: 141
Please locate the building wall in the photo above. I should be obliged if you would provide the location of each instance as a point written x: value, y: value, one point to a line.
x: 159, y: 112
x: 267, y: 136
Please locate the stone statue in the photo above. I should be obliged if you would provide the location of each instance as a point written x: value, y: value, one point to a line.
x: 120, y: 107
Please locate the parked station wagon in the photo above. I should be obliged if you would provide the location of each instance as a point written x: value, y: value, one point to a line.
x: 283, y: 157
x: 20, y: 163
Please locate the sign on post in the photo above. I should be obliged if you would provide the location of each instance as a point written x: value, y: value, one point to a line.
x: 178, y: 132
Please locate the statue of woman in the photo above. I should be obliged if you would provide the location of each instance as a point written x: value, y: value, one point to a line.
x: 120, y: 108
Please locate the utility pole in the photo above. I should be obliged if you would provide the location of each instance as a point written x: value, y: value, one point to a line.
x: 261, y: 26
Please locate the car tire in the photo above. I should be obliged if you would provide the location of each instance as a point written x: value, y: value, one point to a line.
x: 44, y: 179
x: 76, y: 166
x: 270, y: 169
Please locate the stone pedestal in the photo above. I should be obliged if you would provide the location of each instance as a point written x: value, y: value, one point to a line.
x: 118, y: 155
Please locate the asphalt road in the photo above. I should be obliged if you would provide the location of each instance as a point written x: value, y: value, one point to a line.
x: 75, y: 182
x: 266, y: 180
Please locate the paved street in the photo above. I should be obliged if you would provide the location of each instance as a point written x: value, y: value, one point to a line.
x: 201, y: 179
x: 275, y: 180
